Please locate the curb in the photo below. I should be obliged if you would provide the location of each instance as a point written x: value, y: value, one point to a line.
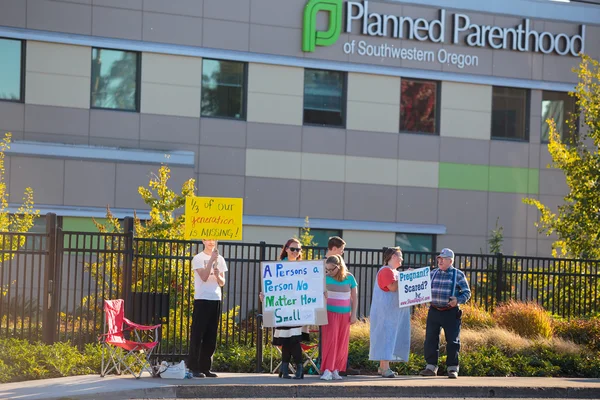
x: 336, y: 391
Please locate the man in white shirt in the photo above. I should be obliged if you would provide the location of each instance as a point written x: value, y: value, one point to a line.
x: 209, y: 276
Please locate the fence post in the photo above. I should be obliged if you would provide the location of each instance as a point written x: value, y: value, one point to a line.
x: 499, y: 276
x: 49, y: 301
x: 259, y: 317
x: 126, y: 276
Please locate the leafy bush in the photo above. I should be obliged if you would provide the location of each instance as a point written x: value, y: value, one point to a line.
x: 582, y: 331
x: 21, y: 360
x: 475, y: 317
x: 529, y: 320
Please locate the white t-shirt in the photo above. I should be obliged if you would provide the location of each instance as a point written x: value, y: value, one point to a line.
x: 209, y: 290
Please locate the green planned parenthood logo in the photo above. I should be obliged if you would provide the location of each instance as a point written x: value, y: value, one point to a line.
x: 310, y: 36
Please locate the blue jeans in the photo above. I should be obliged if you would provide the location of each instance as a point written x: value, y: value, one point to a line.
x: 450, y: 320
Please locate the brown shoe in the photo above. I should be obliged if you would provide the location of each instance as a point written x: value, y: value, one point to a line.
x: 428, y: 372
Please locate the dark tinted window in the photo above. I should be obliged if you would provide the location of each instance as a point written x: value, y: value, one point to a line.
x: 509, y: 113
x: 223, y: 85
x: 418, y: 106
x: 324, y: 97
x: 115, y: 79
x: 11, y: 69
x: 560, y: 107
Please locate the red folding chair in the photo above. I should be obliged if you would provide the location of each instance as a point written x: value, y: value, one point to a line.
x: 113, y: 340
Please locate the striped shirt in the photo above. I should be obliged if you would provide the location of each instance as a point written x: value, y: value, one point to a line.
x: 441, y: 287
x: 339, y: 294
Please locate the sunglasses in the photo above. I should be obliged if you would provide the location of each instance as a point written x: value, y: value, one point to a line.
x: 295, y: 249
x: 332, y: 269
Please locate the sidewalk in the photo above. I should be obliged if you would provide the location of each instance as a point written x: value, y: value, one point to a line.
x: 264, y: 385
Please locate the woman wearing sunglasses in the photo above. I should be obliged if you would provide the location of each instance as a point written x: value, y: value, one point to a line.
x: 342, y: 301
x: 290, y: 337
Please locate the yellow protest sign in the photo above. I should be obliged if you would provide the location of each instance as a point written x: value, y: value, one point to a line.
x: 216, y: 218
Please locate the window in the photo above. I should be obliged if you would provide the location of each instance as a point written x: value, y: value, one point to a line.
x: 11, y: 69
x: 321, y: 236
x: 562, y: 108
x: 415, y: 242
x: 419, y: 106
x: 324, y: 97
x: 115, y: 79
x: 509, y: 113
x: 418, y: 243
x: 223, y: 94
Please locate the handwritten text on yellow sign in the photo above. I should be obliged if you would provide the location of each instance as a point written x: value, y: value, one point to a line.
x: 215, y: 218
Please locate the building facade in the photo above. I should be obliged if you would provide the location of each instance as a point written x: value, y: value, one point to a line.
x: 389, y: 122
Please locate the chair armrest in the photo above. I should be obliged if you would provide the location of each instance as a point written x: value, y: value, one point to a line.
x: 140, y: 327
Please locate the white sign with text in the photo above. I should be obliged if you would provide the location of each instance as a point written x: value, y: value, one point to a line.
x: 414, y: 287
x: 293, y: 291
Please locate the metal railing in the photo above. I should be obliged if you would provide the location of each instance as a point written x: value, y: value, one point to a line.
x: 54, y: 283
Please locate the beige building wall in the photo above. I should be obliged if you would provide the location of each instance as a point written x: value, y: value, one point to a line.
x: 373, y: 103
x: 267, y: 234
x: 275, y: 94
x: 466, y: 111
x: 171, y: 85
x: 58, y: 75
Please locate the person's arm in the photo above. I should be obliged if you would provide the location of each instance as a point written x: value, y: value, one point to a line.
x: 204, y: 272
x: 465, y: 291
x: 220, y: 276
x: 354, y: 301
x: 393, y: 287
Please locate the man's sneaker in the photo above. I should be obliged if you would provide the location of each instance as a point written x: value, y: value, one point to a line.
x: 209, y: 374
x: 452, y: 374
x: 327, y: 375
x: 336, y: 375
x: 198, y: 375
x: 428, y: 372
x: 388, y: 373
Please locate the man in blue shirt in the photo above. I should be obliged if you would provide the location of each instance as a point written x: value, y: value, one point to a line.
x: 449, y: 288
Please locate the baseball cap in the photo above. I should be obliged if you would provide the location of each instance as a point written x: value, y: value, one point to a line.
x: 446, y: 253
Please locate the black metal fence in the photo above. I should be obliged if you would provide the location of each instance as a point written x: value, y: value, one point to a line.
x: 53, y: 284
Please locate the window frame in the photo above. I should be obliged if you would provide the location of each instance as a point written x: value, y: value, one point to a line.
x: 138, y: 80
x: 22, y: 71
x: 438, y: 104
x: 343, y: 99
x: 244, y: 110
x: 527, y: 117
x: 576, y: 111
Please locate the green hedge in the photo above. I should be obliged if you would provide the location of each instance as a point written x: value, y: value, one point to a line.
x: 20, y: 360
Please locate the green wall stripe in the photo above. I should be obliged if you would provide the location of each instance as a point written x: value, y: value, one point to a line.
x: 464, y: 176
x: 488, y: 178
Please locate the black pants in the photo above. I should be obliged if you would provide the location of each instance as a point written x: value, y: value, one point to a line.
x: 203, y: 338
x: 291, y: 350
x: 450, y: 320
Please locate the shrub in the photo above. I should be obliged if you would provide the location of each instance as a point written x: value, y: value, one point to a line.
x: 419, y: 316
x: 529, y: 320
x: 582, y: 331
x: 475, y: 317
x: 360, y: 331
x: 21, y: 360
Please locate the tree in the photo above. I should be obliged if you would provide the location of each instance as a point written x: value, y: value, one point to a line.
x: 21, y: 221
x: 577, y: 221
x: 306, y: 239
x: 159, y: 264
